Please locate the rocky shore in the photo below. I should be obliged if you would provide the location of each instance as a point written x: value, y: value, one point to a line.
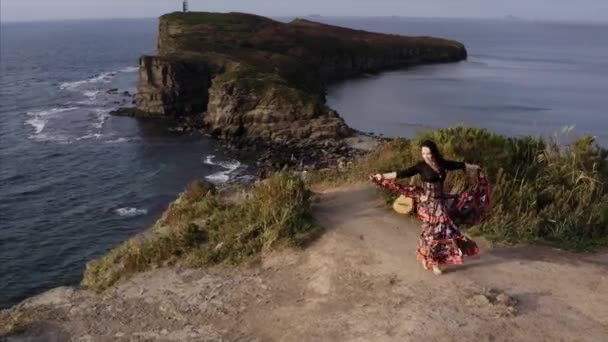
x: 328, y: 153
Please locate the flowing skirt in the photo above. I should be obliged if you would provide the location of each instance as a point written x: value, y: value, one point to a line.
x: 441, y: 241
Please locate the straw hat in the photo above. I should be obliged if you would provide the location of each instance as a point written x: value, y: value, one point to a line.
x: 403, y: 205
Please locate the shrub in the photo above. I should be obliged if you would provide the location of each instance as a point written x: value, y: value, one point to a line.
x: 201, y: 228
x: 542, y: 192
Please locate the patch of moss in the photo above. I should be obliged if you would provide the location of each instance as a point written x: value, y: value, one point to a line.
x: 14, y: 322
x: 254, y: 79
x: 226, y: 21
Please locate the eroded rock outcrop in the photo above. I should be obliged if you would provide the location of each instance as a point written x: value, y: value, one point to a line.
x: 172, y: 86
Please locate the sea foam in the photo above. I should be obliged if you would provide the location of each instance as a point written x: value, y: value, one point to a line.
x: 130, y: 212
x: 224, y: 175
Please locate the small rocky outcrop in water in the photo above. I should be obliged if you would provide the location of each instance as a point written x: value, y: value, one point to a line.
x: 252, y: 80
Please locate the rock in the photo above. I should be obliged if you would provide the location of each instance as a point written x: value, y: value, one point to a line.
x: 170, y: 87
x: 505, y: 299
x: 481, y: 299
x: 124, y: 111
x: 112, y: 91
x: 55, y: 297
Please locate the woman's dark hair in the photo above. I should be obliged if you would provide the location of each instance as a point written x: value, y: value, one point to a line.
x: 434, y: 151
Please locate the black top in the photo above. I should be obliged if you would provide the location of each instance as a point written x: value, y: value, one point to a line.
x: 427, y: 173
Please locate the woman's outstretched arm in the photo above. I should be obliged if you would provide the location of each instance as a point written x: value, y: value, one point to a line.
x: 409, y: 172
x: 454, y: 165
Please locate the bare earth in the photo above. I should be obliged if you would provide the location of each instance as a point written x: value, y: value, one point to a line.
x: 359, y: 282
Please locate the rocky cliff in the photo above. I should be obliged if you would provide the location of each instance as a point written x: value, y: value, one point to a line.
x: 253, y: 79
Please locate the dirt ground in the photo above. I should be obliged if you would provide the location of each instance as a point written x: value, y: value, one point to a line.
x: 359, y: 282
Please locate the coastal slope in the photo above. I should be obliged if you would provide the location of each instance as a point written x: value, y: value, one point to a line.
x: 248, y: 78
x: 359, y: 282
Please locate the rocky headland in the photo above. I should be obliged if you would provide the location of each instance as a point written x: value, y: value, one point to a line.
x: 257, y: 83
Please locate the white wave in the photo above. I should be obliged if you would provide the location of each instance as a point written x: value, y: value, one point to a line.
x: 102, y: 117
x: 122, y: 140
x: 130, y: 212
x: 37, y: 123
x: 221, y: 176
x: 90, y: 136
x: 230, y: 165
x: 42, y: 137
x: 52, y: 111
x: 40, y: 118
x: 104, y: 77
x: 130, y: 69
x: 209, y: 160
x: 91, y: 94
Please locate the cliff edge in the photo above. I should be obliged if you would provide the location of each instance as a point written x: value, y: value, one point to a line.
x: 359, y: 282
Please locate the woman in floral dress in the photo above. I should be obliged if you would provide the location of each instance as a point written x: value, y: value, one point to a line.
x: 441, y: 241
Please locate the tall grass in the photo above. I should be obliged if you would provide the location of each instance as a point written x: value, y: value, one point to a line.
x: 202, y: 228
x: 542, y: 192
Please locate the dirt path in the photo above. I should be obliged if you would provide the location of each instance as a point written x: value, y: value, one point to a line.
x: 359, y: 282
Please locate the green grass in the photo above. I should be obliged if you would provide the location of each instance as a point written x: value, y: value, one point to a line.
x: 542, y: 192
x: 237, y: 22
x: 201, y: 228
x: 254, y: 79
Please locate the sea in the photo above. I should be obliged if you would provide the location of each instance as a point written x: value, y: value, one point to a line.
x: 76, y: 181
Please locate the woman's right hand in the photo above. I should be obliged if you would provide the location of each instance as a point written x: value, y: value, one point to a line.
x: 376, y: 177
x: 380, y: 176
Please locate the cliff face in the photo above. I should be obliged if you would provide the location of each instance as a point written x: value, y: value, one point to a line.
x: 172, y: 87
x: 255, y: 79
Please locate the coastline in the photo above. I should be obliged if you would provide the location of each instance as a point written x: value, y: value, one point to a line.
x: 281, y: 162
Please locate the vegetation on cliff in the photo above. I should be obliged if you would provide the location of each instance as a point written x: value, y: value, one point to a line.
x: 204, y: 228
x: 301, y: 52
x: 541, y: 192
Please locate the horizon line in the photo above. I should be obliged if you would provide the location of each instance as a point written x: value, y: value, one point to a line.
x: 504, y: 18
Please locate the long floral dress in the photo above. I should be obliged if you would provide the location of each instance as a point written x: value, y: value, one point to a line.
x: 441, y: 241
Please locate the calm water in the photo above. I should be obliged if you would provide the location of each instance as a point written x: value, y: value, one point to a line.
x: 76, y: 181
x: 521, y: 78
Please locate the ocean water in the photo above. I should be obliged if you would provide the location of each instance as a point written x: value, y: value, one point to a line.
x: 76, y: 182
x: 521, y: 78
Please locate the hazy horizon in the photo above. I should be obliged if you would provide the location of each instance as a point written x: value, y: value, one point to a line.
x: 592, y: 11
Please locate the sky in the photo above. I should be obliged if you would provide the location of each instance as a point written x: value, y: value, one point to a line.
x: 561, y: 10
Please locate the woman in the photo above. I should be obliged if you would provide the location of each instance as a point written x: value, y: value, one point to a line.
x: 441, y: 241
